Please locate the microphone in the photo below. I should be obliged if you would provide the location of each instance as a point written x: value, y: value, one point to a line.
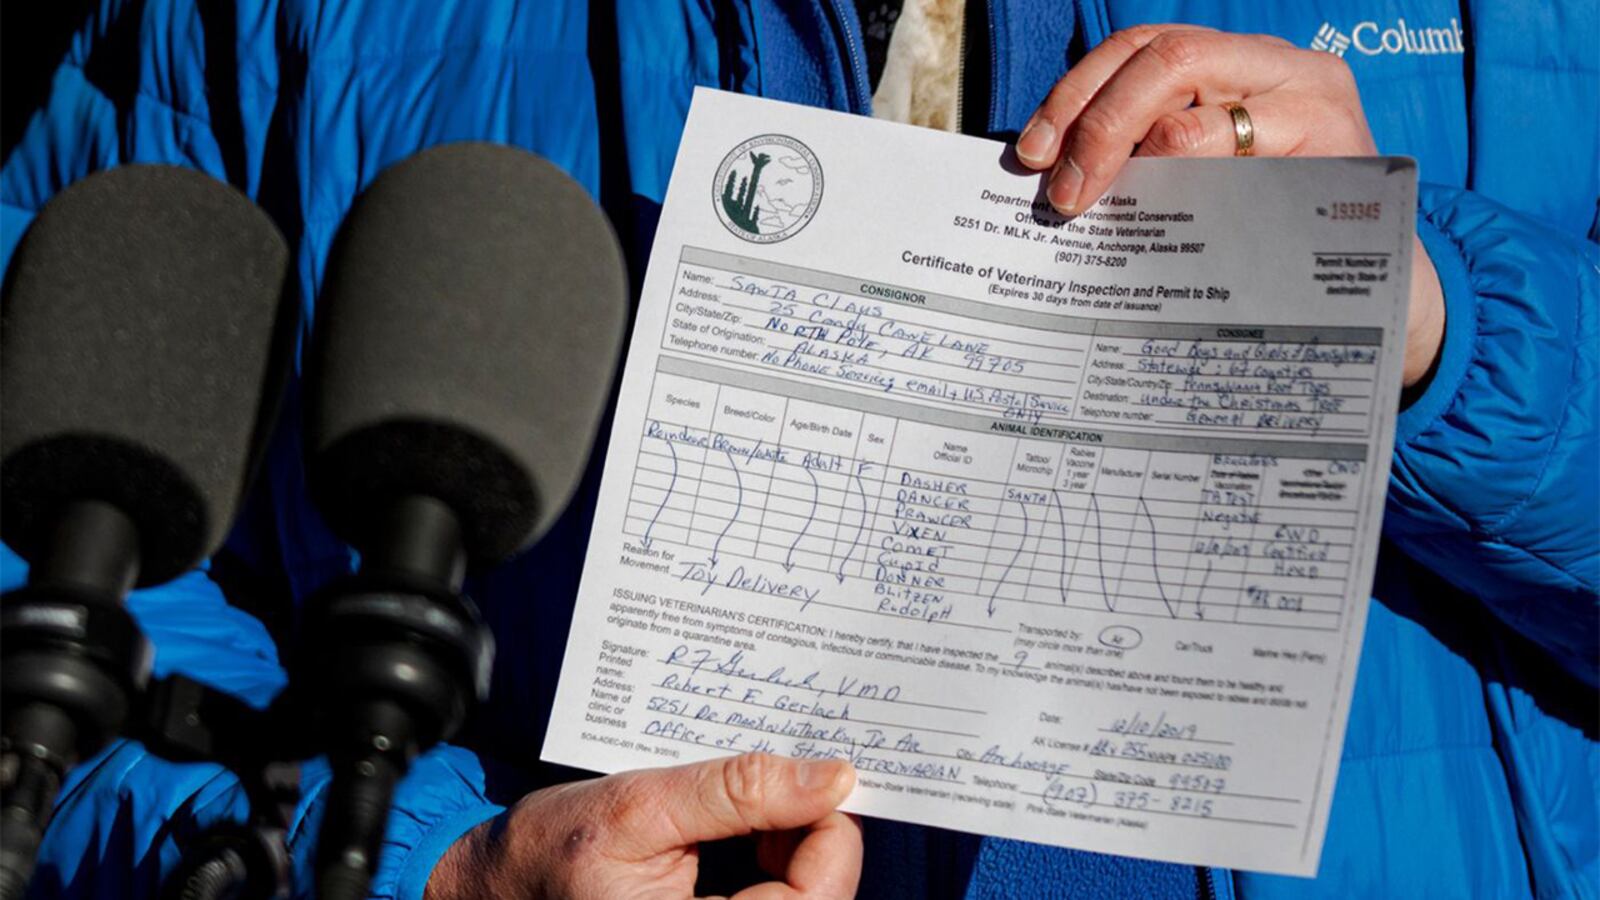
x: 143, y: 319
x: 469, y: 329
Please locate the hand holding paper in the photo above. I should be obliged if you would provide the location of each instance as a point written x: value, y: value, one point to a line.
x: 636, y: 834
x: 1165, y: 90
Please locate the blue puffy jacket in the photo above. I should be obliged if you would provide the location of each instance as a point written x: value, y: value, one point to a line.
x: 1471, y: 761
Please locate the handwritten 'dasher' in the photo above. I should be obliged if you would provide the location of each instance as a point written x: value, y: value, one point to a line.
x: 1058, y: 530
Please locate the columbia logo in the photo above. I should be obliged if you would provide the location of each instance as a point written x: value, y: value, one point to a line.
x: 1373, y: 39
x: 1330, y: 40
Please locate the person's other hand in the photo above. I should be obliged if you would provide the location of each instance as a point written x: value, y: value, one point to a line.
x: 636, y: 834
x: 1159, y: 90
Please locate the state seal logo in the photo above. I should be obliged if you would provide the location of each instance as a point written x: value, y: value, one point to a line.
x: 767, y: 188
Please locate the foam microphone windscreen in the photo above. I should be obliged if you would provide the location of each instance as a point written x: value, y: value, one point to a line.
x: 466, y: 339
x: 137, y: 341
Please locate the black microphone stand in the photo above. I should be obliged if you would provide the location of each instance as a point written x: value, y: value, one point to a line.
x: 397, y: 655
x: 394, y: 657
x: 74, y: 675
x: 72, y: 664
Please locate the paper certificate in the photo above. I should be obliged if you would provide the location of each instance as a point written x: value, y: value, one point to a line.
x: 1059, y: 529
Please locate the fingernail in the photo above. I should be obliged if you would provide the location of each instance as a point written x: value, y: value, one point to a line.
x: 1065, y: 185
x: 1034, y: 144
x: 820, y: 773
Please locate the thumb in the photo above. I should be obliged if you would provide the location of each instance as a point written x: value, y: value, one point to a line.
x: 681, y: 806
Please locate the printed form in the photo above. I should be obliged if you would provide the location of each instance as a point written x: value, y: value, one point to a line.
x: 1059, y: 529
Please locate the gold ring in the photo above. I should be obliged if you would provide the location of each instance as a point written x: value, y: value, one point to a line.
x: 1244, y: 131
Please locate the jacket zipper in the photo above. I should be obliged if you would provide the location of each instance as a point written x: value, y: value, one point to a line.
x: 1215, y: 884
x: 961, y: 72
x: 856, y: 71
x: 977, y: 59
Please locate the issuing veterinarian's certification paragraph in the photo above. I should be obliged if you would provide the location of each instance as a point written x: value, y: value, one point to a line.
x: 1059, y: 529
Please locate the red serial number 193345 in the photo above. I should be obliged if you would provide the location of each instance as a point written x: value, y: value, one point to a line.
x: 1355, y: 211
